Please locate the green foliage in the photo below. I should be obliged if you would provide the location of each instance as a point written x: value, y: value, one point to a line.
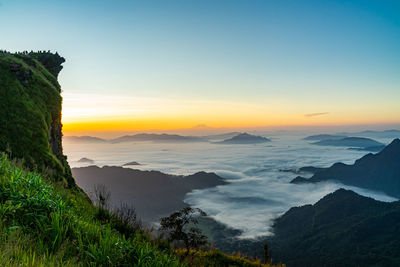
x: 30, y: 108
x: 39, y: 227
x: 52, y: 62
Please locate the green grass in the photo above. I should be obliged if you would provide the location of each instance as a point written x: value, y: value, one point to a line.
x: 39, y: 227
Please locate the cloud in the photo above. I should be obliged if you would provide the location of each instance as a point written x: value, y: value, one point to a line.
x: 315, y: 114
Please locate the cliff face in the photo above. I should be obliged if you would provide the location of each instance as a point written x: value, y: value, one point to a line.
x: 30, y: 112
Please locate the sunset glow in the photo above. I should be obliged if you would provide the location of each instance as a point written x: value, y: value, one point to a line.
x: 148, y: 65
x: 112, y: 113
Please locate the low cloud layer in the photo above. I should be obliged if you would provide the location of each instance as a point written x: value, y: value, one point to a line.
x: 258, y: 192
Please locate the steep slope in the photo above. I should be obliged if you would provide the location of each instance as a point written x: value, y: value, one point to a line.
x: 380, y: 172
x: 30, y: 108
x: 342, y: 229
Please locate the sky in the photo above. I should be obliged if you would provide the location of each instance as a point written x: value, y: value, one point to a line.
x: 162, y: 65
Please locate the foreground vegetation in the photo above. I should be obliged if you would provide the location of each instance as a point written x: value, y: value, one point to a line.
x: 42, y: 224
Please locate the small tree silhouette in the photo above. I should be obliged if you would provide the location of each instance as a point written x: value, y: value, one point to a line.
x: 180, y: 227
x: 267, y: 256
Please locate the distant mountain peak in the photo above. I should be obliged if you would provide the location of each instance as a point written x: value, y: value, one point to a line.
x: 342, y: 194
x: 244, y: 135
x: 395, y: 144
x: 245, y: 138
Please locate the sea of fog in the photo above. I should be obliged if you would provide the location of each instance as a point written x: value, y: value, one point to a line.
x: 257, y: 193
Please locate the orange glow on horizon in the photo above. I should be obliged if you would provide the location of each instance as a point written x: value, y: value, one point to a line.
x: 95, y: 113
x: 153, y: 124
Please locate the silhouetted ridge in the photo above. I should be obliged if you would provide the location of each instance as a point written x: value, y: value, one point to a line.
x: 341, y: 229
x: 380, y: 172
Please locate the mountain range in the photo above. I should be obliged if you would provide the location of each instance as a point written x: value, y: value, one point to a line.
x: 230, y: 137
x: 379, y: 172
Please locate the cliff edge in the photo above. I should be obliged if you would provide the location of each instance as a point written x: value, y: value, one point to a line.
x: 30, y: 108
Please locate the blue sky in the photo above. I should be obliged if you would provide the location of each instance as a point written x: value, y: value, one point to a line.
x: 341, y: 58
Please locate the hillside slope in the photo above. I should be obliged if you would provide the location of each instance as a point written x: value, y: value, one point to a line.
x: 341, y: 229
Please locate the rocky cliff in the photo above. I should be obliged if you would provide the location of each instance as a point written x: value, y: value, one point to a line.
x: 30, y: 108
